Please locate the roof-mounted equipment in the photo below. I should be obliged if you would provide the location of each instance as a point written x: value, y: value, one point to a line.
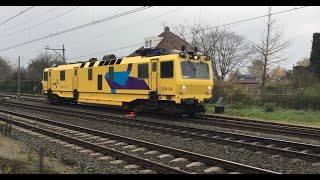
x: 93, y: 59
x: 109, y: 57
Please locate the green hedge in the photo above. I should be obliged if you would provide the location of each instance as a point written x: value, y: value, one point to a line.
x: 294, y: 101
x: 26, y: 86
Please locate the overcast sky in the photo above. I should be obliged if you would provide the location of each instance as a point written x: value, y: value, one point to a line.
x: 131, y: 29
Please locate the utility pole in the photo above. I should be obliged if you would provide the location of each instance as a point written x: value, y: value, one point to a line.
x: 19, y: 78
x: 63, y: 52
x: 63, y: 49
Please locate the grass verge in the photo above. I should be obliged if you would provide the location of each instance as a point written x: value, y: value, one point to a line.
x: 280, y: 115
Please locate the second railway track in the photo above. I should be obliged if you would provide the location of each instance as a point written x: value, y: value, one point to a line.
x: 229, y: 122
x: 289, y: 149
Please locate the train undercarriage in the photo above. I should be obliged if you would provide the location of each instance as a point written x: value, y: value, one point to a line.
x: 189, y: 107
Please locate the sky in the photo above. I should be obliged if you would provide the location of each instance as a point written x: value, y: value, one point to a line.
x: 118, y: 33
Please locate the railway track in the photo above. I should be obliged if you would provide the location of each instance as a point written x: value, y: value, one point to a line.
x: 23, y: 97
x: 227, y: 122
x: 128, y: 149
x: 223, y: 121
x: 289, y: 149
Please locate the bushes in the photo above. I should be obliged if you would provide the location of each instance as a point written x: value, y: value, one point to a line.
x: 237, y: 105
x: 269, y: 107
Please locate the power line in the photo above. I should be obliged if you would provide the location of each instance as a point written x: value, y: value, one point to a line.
x: 258, y: 17
x: 41, y: 22
x: 125, y: 47
x: 139, y: 23
x: 80, y: 27
x: 236, y: 22
x: 17, y: 15
x: 32, y: 18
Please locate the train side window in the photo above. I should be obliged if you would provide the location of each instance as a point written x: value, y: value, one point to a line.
x: 99, y: 82
x: 167, y: 69
x: 111, y: 73
x: 75, y: 72
x: 143, y: 70
x: 45, y: 76
x: 90, y: 74
x: 62, y: 75
x: 154, y: 67
x: 49, y: 73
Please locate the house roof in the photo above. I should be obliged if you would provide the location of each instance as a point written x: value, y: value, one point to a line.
x: 249, y: 76
x: 169, y: 41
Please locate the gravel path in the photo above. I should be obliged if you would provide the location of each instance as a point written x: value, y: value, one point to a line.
x: 241, y: 155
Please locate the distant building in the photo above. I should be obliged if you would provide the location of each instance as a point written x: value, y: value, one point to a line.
x: 249, y: 81
x: 166, y: 40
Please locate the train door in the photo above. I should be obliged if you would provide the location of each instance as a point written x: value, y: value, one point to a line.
x: 153, y: 97
x: 75, y: 85
x: 75, y: 79
x: 153, y: 80
x: 49, y: 79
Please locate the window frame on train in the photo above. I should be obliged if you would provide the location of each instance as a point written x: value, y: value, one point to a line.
x: 165, y: 69
x: 62, y: 75
x: 143, y: 71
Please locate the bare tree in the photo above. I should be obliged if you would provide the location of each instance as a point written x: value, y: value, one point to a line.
x: 40, y: 62
x: 229, y: 53
x: 271, y: 47
x: 228, y: 50
x: 256, y: 67
x: 5, y: 68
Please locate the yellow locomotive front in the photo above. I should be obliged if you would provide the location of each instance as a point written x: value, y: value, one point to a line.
x: 191, y: 86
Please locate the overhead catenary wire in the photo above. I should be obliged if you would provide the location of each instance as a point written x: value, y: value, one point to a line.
x: 204, y: 29
x: 128, y: 26
x: 69, y: 11
x: 16, y: 15
x: 11, y: 27
x: 125, y: 47
x: 79, y: 27
x: 257, y: 17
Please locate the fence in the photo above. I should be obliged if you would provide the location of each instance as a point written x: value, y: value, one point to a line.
x: 26, y: 86
x: 293, y: 101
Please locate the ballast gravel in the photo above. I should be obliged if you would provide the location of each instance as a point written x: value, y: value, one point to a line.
x: 84, y: 161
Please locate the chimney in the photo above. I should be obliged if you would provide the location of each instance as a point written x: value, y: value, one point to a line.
x: 166, y: 29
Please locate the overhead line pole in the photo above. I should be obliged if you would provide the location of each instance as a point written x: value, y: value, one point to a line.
x: 63, y: 52
x: 19, y: 78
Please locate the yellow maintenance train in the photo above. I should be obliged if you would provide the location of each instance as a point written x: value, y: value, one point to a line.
x: 177, y: 82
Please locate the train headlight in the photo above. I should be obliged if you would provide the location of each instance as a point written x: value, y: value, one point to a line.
x: 195, y: 57
x: 209, y: 89
x: 183, y: 89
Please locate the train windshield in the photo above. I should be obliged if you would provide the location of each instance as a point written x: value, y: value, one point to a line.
x: 192, y: 70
